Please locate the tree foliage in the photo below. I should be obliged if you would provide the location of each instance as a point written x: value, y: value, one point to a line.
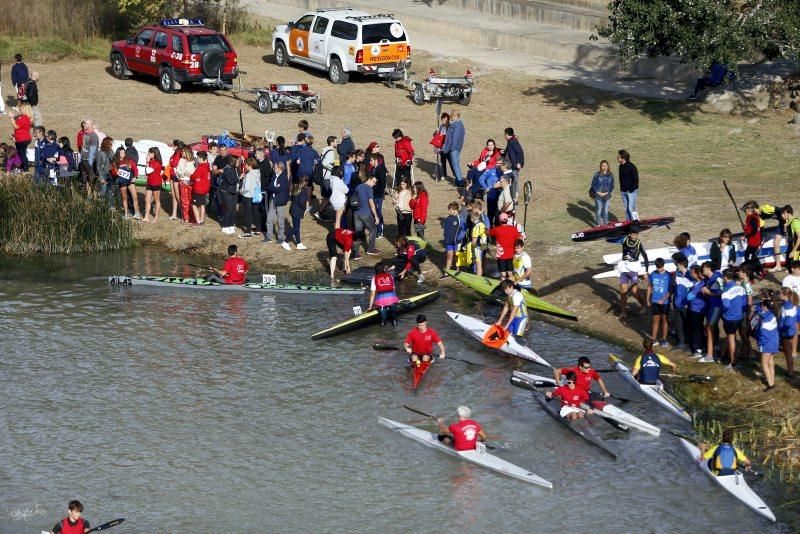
x: 704, y: 31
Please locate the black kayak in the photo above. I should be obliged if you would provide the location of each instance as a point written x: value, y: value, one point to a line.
x: 579, y: 426
x: 617, y: 229
x: 361, y: 276
x: 371, y: 317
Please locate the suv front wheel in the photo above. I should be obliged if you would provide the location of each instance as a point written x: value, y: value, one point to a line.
x: 336, y: 73
x: 166, y: 80
x: 280, y: 54
x: 118, y: 67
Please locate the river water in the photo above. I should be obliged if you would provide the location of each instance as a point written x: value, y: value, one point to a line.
x: 193, y: 411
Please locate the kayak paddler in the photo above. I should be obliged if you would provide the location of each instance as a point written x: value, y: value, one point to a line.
x: 647, y: 367
x: 74, y: 523
x: 234, y: 270
x: 584, y: 375
x: 343, y: 239
x: 383, y: 295
x: 462, y: 436
x: 515, y: 307
x: 571, y: 398
x: 419, y: 342
x: 723, y: 458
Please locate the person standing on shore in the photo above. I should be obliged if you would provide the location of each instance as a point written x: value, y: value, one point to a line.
x: 155, y: 179
x: 419, y: 208
x: 278, y: 189
x: 22, y: 123
x: 32, y: 97
x: 19, y: 73
x: 516, y: 156
x: 628, y: 184
x: 201, y: 185
x: 632, y: 250
x: 600, y: 190
x: 453, y: 144
x: 792, y: 225
x: 765, y: 330
x: 2, y: 102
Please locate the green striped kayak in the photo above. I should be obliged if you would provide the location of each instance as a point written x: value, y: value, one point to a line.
x: 371, y: 317
x: 485, y: 286
x: 201, y: 283
x: 141, y: 182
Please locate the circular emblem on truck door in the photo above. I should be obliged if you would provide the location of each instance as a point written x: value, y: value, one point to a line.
x: 300, y: 44
x: 375, y: 50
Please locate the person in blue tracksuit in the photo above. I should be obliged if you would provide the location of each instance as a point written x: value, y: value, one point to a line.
x: 787, y: 325
x: 658, y: 294
x: 713, y: 294
x: 682, y: 283
x: 697, y: 312
x: 733, y: 304
x: 765, y: 328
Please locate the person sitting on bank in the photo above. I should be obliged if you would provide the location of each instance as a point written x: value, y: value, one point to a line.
x: 716, y: 76
x: 234, y: 270
x: 724, y: 459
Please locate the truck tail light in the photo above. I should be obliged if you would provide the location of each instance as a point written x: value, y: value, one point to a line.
x: 408, y: 51
x: 360, y: 56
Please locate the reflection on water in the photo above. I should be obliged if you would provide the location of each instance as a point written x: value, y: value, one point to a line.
x: 182, y: 408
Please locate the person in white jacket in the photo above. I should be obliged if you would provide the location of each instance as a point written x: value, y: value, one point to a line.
x: 251, y: 181
x: 338, y: 195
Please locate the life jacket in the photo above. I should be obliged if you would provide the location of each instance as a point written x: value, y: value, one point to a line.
x: 768, y: 211
x: 384, y: 283
x: 723, y: 461
x: 631, y: 249
x: 66, y: 528
x: 649, y: 368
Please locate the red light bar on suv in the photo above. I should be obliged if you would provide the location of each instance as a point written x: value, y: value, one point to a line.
x: 181, y: 22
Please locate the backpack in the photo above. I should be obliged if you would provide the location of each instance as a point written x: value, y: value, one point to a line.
x: 258, y: 195
x: 355, y: 201
x: 22, y: 92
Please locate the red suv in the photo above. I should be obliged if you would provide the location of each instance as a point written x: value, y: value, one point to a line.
x: 178, y: 51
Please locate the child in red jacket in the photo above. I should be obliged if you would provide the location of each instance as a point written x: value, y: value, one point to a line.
x: 403, y: 156
x: 752, y: 231
x: 419, y: 209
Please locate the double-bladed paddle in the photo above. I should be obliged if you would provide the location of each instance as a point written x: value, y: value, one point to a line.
x: 105, y: 526
x: 384, y: 346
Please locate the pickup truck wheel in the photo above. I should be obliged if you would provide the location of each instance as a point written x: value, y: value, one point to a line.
x: 418, y: 95
x: 263, y: 104
x: 166, y: 79
x: 118, y: 67
x: 464, y: 98
x: 280, y: 54
x: 336, y: 73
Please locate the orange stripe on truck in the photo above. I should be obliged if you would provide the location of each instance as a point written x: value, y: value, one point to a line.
x: 384, y: 53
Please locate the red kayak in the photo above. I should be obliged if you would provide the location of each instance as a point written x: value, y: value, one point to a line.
x: 417, y: 373
x: 619, y: 228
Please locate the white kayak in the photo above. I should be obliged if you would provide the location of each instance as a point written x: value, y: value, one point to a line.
x: 654, y: 391
x: 613, y: 412
x: 703, y: 251
x: 479, y: 456
x: 477, y: 329
x: 734, y: 484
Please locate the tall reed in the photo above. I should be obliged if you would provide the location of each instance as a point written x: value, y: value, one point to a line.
x: 38, y: 219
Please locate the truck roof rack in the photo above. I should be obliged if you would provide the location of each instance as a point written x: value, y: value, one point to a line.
x: 368, y: 17
x: 323, y: 9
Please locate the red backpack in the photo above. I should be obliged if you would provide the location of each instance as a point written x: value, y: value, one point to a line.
x: 22, y: 93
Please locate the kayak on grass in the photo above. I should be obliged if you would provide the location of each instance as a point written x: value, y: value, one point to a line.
x: 767, y: 262
x: 370, y: 317
x: 734, y: 484
x: 608, y: 409
x: 479, y: 456
x: 485, y: 286
x: 202, y: 283
x: 619, y: 229
x: 703, y: 251
x: 654, y: 391
x: 477, y: 329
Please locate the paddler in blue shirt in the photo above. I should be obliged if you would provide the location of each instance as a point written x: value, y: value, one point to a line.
x: 647, y: 367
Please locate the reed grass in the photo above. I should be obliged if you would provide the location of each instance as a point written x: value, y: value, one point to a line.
x: 38, y: 219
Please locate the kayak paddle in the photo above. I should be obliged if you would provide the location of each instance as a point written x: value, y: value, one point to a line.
x: 204, y: 267
x: 699, y: 379
x: 384, y: 346
x: 735, y: 206
x: 436, y: 419
x: 104, y: 526
x: 524, y: 384
x: 527, y: 191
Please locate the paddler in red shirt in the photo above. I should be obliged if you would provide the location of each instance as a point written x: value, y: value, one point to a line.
x: 571, y: 398
x: 584, y: 374
x: 419, y: 342
x: 462, y: 436
x: 234, y: 270
x: 73, y: 523
x: 383, y: 294
x: 505, y: 236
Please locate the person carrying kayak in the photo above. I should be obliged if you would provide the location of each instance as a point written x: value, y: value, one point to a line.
x: 632, y: 250
x: 343, y: 239
x: 74, y: 523
x: 516, y: 309
x: 234, y: 270
x: 462, y: 436
x: 419, y: 342
x: 647, y: 367
x: 571, y: 398
x: 584, y: 375
x: 724, y: 459
x: 383, y: 294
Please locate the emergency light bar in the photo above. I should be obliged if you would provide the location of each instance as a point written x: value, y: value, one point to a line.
x: 285, y: 87
x: 181, y: 22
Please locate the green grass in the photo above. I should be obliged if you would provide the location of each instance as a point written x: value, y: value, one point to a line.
x: 48, y: 50
x: 49, y: 220
x: 259, y: 35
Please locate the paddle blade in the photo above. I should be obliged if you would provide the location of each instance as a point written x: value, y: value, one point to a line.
x: 385, y: 346
x: 108, y: 525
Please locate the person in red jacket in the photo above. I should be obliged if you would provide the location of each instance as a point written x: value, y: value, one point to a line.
x: 403, y: 156
x: 419, y: 208
x: 464, y: 435
x: 752, y: 231
x: 155, y: 179
x: 74, y: 523
x: 172, y: 172
x: 234, y: 270
x: 201, y: 185
x: 488, y: 159
x: 571, y: 398
x: 505, y: 236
